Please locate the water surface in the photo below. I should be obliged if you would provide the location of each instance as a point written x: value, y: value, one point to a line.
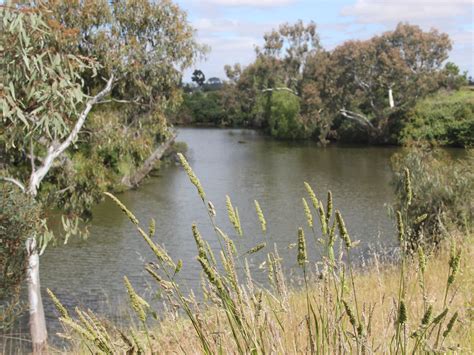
x: 239, y: 163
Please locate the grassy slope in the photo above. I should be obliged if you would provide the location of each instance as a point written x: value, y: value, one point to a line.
x: 377, y: 286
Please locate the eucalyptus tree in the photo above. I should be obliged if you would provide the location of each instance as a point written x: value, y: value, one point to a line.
x: 384, y: 76
x: 285, y: 51
x: 60, y: 59
x: 44, y: 109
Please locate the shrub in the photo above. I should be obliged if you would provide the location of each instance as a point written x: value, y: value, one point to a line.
x: 445, y: 118
x: 443, y: 192
x: 19, y: 219
x: 284, y: 121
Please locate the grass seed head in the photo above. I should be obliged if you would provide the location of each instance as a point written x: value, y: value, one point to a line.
x: 349, y: 313
x: 312, y: 195
x: 192, y: 176
x: 343, y: 230
x: 450, y: 325
x: 302, y: 256
x: 137, y: 303
x: 61, y: 309
x: 402, y: 313
x: 307, y: 212
x: 261, y: 217
x: 329, y: 206
x: 400, y: 228
x: 427, y: 316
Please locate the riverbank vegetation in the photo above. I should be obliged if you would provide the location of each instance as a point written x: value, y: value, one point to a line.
x: 418, y: 303
x: 368, y: 91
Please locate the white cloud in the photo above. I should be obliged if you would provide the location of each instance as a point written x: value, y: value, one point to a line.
x: 252, y: 3
x: 454, y: 17
x: 377, y: 11
x: 231, y: 41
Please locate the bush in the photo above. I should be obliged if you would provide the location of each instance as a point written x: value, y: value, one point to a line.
x: 445, y: 118
x: 284, y: 121
x: 19, y: 219
x: 202, y: 107
x: 443, y: 192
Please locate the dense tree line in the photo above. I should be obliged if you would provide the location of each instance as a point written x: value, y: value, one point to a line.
x: 363, y: 88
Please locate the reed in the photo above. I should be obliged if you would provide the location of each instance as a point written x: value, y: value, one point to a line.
x: 399, y: 309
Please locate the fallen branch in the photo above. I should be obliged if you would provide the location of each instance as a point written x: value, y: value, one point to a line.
x: 134, y: 179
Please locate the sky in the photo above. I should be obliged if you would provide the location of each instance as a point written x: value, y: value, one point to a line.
x: 232, y: 28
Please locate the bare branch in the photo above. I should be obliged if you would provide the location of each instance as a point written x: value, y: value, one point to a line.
x: 13, y: 181
x: 119, y: 101
x: 357, y: 117
x: 281, y: 89
x: 55, y: 151
x: 136, y: 177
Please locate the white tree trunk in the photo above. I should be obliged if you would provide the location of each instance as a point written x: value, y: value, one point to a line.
x: 390, y: 98
x: 39, y: 334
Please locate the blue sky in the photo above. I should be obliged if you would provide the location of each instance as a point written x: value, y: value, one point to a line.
x: 232, y: 28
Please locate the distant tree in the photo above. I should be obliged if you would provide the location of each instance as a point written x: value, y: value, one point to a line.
x: 214, y: 81
x: 451, y: 77
x: 286, y: 50
x: 198, y: 77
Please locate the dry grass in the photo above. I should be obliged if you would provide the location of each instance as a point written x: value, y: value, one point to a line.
x: 377, y: 287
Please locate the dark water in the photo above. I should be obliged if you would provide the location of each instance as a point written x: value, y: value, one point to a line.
x: 244, y: 165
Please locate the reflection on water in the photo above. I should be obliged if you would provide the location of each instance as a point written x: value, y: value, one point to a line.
x: 238, y: 163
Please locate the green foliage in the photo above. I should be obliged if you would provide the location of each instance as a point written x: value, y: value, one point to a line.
x: 19, y: 219
x: 451, y: 77
x: 446, y: 118
x: 202, y: 108
x: 41, y: 89
x: 46, y: 48
x: 442, y: 191
x: 284, y: 121
x: 371, y: 83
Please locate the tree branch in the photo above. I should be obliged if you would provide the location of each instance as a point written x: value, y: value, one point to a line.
x: 119, y: 101
x: 280, y: 89
x: 136, y: 177
x: 361, y: 119
x: 55, y: 151
x: 13, y: 181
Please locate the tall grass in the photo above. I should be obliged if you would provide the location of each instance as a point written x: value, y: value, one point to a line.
x: 339, y: 310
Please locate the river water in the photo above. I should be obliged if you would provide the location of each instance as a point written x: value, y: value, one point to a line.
x: 244, y: 165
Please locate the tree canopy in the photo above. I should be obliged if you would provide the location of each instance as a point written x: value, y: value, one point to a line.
x: 366, y: 86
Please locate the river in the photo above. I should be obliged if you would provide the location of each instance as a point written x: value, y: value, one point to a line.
x: 244, y: 165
